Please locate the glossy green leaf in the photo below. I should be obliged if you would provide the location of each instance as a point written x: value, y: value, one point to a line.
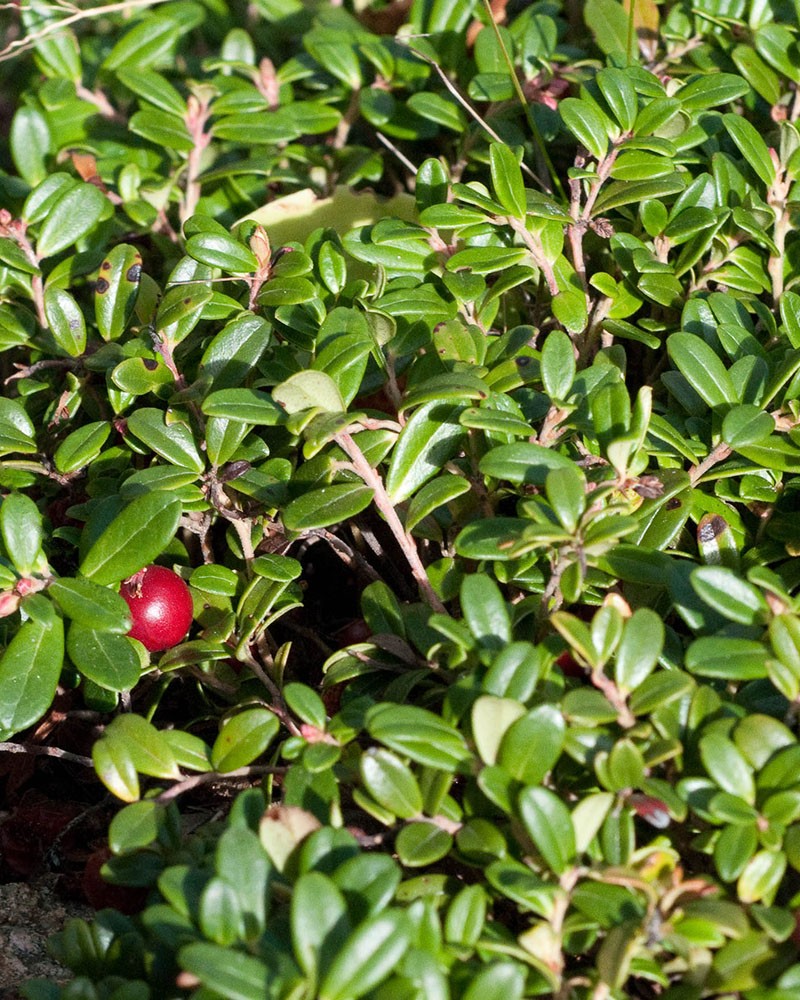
x: 106, y: 658
x: 430, y: 438
x: 465, y: 916
x: 74, y: 215
x: 308, y: 390
x: 639, y: 650
x: 172, y: 441
x: 485, y: 612
x: 93, y: 606
x: 727, y: 658
x: 29, y: 671
x: 422, y: 843
x: 752, y: 146
x: 532, y: 745
x: 507, y: 180
x: 116, y: 289
x: 81, y: 447
x: 367, y: 956
x: 243, y: 738
x: 249, y: 406
x: 727, y: 766
x: 65, y: 320
x: 711, y: 90
x: 586, y: 124
x: 327, y: 505
x: 391, y: 783
x: 491, y: 716
x: 22, y: 533
x: 319, y: 921
x: 730, y: 595
x: 549, y: 825
x: 702, y: 369
x: 248, y: 978
x: 418, y: 734
x: 133, y: 539
x: 558, y: 365
x: 162, y: 129
x: 221, y: 250
x: 522, y: 463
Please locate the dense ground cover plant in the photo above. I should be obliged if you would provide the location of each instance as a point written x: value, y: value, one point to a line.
x: 450, y: 354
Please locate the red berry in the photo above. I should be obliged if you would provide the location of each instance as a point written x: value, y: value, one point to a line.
x: 161, y: 607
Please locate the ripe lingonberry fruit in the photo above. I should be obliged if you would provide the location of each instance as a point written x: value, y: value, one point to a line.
x: 160, y: 605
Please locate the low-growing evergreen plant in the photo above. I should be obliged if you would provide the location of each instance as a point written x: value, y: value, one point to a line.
x: 450, y: 353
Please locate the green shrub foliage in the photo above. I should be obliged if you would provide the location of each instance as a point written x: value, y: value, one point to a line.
x: 504, y: 319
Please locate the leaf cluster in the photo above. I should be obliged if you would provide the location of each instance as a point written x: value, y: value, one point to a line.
x: 501, y: 317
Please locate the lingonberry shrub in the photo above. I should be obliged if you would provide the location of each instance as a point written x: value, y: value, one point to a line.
x: 474, y: 324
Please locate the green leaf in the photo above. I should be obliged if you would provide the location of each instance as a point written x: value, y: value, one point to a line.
x: 485, y: 612
x: 532, y: 745
x: 727, y: 766
x: 730, y: 595
x: 430, y: 438
x: 17, y: 433
x: 418, y: 734
x: 761, y: 77
x: 761, y: 877
x: 153, y: 87
x: 523, y: 462
x: 243, y: 738
x: 711, y: 90
x: 549, y: 825
x: 308, y: 390
x: 608, y: 22
x: 498, y: 980
x: 752, y: 147
x: 465, y: 916
x: 566, y: 494
x: 21, y: 529
x: 93, y: 606
x: 81, y: 447
x: 620, y: 94
x: 367, y: 956
x: 639, y: 650
x: 181, y: 308
x: 172, y: 441
x: 327, y: 505
x: 746, y: 425
x: 249, y: 406
x: 727, y: 658
x: 507, y: 180
x: 319, y: 920
x: 702, y: 369
x: 586, y: 125
x: 133, y: 539
x: 491, y: 716
x: 107, y: 659
x: 115, y: 768
x: 421, y: 844
x: 433, y: 495
x: 558, y: 365
x: 29, y: 671
x: 162, y: 129
x: 222, y: 250
x: 65, y: 320
x: 29, y: 142
x: 116, y: 290
x: 248, y: 978
x: 391, y: 783
x: 74, y: 215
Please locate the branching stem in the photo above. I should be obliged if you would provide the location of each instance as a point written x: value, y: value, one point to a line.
x: 407, y: 544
